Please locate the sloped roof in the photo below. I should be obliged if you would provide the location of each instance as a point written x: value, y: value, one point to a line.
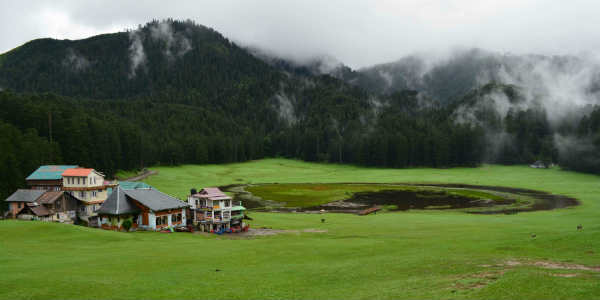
x: 130, y: 185
x: 25, y: 195
x: 211, y: 193
x: 51, y: 172
x: 118, y: 204
x: 154, y: 199
x: 49, y: 197
x: 77, y: 172
x: 40, y: 210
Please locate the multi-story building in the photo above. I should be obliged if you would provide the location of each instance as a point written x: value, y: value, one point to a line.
x: 88, y: 186
x: 213, y: 210
x: 47, y: 178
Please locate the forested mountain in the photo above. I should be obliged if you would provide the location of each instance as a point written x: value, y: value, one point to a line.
x: 154, y: 58
x: 173, y: 92
x: 447, y: 78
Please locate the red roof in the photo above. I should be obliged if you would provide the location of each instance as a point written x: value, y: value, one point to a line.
x: 77, y: 172
x: 212, y: 194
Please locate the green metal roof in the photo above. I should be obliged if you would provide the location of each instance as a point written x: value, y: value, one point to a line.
x: 130, y: 185
x: 49, y: 172
x: 239, y: 207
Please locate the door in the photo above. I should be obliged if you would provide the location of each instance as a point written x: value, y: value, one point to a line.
x: 145, y: 218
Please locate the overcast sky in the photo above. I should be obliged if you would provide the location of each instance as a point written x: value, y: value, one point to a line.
x: 358, y: 33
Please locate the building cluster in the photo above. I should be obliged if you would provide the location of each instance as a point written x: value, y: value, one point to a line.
x: 75, y: 195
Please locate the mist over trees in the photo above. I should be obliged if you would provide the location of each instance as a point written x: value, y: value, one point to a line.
x: 173, y: 92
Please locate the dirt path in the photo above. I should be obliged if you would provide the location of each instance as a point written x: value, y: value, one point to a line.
x: 141, y: 176
x: 265, y: 232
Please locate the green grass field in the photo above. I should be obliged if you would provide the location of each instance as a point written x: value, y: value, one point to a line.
x: 412, y: 254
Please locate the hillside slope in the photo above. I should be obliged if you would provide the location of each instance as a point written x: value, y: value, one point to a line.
x: 160, y: 55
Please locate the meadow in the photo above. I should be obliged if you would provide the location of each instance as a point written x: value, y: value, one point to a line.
x: 413, y: 254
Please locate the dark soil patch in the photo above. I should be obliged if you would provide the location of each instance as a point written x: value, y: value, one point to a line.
x: 393, y: 199
x: 547, y: 201
x: 405, y: 200
x: 424, y: 199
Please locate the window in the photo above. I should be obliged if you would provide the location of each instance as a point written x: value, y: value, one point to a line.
x: 197, y: 202
x: 57, y: 203
x: 82, y: 194
x: 83, y: 180
x: 93, y: 193
x: 57, y: 216
x: 176, y: 218
x: 82, y: 208
x: 227, y: 204
x: 19, y: 204
x: 162, y: 221
x: 78, y: 180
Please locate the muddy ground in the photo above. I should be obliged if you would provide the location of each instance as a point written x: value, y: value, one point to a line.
x: 254, y: 232
x: 423, y: 199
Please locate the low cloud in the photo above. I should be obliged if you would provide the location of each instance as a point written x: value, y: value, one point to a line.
x: 137, y: 55
x: 176, y: 44
x: 173, y: 44
x: 285, y: 108
x: 75, y: 61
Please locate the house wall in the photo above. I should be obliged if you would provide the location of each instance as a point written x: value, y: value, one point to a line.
x: 151, y: 221
x: 14, y: 208
x: 116, y: 222
x: 92, y: 189
x: 153, y: 215
x: 88, y: 209
x: 91, y: 180
x: 50, y: 185
x: 100, y: 194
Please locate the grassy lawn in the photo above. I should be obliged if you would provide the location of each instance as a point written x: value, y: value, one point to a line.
x: 122, y: 175
x: 412, y: 254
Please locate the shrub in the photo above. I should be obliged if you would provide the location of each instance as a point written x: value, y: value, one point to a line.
x: 127, y: 224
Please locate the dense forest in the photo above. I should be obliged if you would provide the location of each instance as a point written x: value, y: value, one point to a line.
x: 173, y: 92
